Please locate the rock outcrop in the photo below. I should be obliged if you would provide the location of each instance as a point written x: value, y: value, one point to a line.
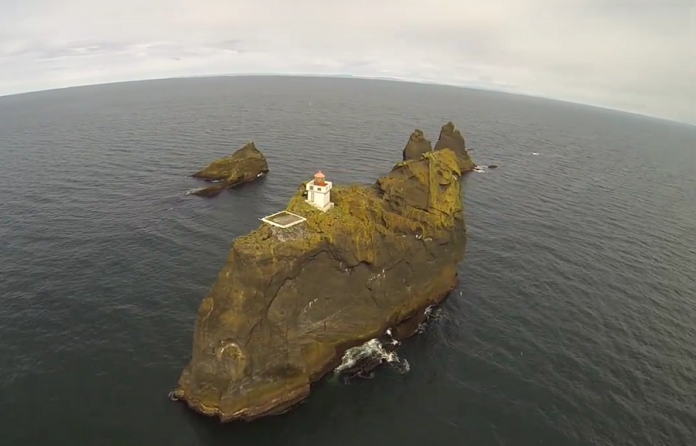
x: 243, y: 166
x: 451, y: 138
x: 289, y: 302
x: 416, y: 146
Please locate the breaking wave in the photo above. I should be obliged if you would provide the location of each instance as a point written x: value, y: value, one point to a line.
x: 194, y: 190
x: 373, y: 351
x: 432, y: 313
x: 361, y: 360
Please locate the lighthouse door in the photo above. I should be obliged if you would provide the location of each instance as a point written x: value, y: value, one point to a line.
x: 311, y: 196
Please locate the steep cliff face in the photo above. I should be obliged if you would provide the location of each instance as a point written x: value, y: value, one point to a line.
x: 243, y: 166
x: 288, y: 303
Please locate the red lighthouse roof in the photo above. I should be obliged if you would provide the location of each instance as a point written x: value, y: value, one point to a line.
x: 319, y: 175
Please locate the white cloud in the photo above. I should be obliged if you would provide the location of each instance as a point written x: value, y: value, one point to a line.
x: 636, y: 55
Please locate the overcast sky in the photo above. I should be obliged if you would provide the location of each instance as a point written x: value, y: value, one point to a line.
x: 635, y: 55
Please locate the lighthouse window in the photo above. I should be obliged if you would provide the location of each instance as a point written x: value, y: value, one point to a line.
x: 311, y: 187
x: 319, y: 189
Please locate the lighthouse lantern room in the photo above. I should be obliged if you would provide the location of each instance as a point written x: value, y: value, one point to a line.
x: 319, y: 192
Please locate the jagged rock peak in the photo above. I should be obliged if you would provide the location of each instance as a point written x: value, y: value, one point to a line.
x: 416, y: 146
x: 249, y: 147
x: 451, y: 138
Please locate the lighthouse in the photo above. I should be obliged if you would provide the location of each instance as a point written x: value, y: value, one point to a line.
x: 319, y: 192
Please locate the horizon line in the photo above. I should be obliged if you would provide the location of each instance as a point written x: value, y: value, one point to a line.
x: 362, y: 77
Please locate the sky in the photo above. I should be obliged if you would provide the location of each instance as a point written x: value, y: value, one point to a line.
x: 632, y: 55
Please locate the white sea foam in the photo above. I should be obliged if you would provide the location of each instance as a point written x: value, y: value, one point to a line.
x: 191, y: 191
x: 374, y: 349
x: 431, y: 313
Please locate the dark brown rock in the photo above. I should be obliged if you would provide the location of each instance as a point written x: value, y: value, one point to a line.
x: 451, y: 138
x: 409, y: 327
x: 416, y: 146
x: 285, y: 308
x: 493, y: 166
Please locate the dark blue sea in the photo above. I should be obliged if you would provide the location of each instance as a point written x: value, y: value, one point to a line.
x: 575, y: 319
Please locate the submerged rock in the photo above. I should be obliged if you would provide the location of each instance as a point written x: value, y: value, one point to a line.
x: 289, y: 303
x: 451, y: 138
x: 492, y: 166
x: 243, y: 166
x: 210, y: 191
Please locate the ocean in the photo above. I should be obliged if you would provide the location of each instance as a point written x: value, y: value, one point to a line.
x: 574, y: 322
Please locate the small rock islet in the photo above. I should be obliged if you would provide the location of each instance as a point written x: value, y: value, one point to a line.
x: 243, y: 166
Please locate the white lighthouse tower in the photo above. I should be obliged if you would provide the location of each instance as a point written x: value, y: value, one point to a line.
x: 319, y: 192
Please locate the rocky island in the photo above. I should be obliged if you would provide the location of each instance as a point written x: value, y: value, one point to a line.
x: 243, y: 166
x: 323, y: 277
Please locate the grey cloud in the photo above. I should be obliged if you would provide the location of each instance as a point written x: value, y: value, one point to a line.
x: 229, y: 44
x: 637, y: 55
